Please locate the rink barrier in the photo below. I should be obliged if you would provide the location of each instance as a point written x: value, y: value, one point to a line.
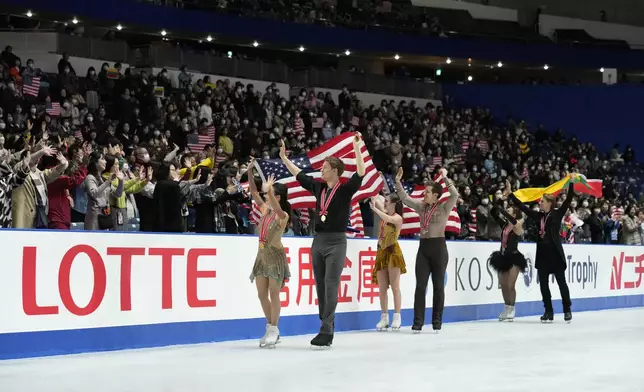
x: 75, y: 292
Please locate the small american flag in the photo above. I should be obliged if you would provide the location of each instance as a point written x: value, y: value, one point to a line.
x: 198, y: 142
x: 31, y: 85
x: 53, y: 109
x: 437, y: 161
x: 411, y: 220
x: 341, y: 147
x: 484, y: 146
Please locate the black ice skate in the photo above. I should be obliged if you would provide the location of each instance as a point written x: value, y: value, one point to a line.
x: 417, y: 327
x: 436, y: 326
x: 548, y: 317
x: 322, y: 341
x: 568, y: 317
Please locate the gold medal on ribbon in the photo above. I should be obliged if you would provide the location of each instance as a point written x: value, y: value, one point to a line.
x: 323, y: 218
x: 261, y: 245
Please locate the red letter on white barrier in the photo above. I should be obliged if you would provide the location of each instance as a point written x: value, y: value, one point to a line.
x: 126, y: 273
x: 193, y: 274
x: 166, y: 272
x: 29, y: 305
x: 100, y: 280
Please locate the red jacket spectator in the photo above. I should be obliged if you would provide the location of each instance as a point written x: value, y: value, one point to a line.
x: 59, y: 201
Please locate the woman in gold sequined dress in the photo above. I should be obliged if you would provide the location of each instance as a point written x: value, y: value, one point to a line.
x: 271, y: 267
x: 390, y: 263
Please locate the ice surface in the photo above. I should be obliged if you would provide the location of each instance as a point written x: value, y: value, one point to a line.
x: 599, y: 351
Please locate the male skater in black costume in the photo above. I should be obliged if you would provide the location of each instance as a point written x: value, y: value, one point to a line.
x: 329, y: 249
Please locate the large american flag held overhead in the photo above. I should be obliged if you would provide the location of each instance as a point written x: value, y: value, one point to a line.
x: 411, y: 220
x: 341, y: 147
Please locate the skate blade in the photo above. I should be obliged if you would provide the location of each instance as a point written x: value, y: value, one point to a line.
x: 269, y: 346
x: 382, y: 329
x: 415, y: 331
x: 395, y: 329
x: 320, y: 348
x: 511, y: 320
x: 547, y: 321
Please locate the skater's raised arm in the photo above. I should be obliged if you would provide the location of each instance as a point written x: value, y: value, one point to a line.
x: 272, y: 200
x: 404, y: 197
x: 561, y: 211
x: 394, y: 219
x: 305, y: 181
x: 453, y: 191
x: 252, y: 187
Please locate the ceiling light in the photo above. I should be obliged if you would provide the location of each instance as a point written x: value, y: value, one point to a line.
x: 119, y: 27
x: 396, y: 57
x: 301, y: 49
x: 470, y: 78
x: 29, y: 14
x: 347, y: 52
x: 500, y: 64
x: 255, y: 44
x: 601, y: 70
x: 449, y: 61
x: 546, y: 67
x: 209, y: 38
x: 74, y: 21
x: 164, y: 33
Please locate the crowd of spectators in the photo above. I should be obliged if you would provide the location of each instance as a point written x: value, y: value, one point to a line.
x: 111, y: 150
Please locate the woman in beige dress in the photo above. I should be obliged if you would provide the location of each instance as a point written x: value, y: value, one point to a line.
x: 271, y: 268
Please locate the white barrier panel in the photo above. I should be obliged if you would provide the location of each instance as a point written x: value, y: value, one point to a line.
x: 66, y: 292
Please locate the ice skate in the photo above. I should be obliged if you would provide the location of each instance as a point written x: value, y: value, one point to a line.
x: 504, y: 315
x: 436, y: 327
x: 322, y: 341
x: 396, y: 322
x: 568, y: 317
x: 548, y: 317
x: 417, y: 327
x: 383, y: 324
x: 510, y: 315
x: 272, y: 335
x: 262, y: 340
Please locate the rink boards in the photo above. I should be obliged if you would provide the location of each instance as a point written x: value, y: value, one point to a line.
x: 77, y: 292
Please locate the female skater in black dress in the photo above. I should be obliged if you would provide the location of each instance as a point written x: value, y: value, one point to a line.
x: 550, y: 257
x: 508, y: 261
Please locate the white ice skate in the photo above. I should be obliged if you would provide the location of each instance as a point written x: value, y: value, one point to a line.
x: 262, y: 340
x: 510, y: 315
x: 383, y: 324
x: 395, y: 323
x: 504, y: 315
x: 272, y: 335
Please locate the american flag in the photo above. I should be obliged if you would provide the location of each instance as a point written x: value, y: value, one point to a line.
x: 341, y: 147
x: 411, y: 220
x: 198, y: 142
x: 53, y: 109
x: 355, y: 222
x: 31, y: 85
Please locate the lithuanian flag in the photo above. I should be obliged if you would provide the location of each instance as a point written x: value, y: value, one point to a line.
x: 578, y: 181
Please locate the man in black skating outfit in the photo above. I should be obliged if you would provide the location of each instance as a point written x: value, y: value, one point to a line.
x: 329, y: 249
x: 550, y: 257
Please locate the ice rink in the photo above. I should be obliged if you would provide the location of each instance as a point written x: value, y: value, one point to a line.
x: 600, y: 351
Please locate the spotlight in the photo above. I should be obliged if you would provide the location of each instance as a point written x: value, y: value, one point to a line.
x: 500, y: 64
x: 470, y: 78
x: 347, y: 52
x: 448, y: 61
x: 209, y: 38
x: 396, y: 57
x: 75, y: 21
x: 119, y: 27
x: 301, y: 49
x: 164, y: 33
x: 255, y: 44
x: 29, y: 14
x: 546, y: 67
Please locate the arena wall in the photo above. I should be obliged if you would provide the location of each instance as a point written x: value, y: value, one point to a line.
x: 73, y: 292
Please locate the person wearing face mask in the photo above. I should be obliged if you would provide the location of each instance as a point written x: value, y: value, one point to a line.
x: 432, y: 254
x: 550, y: 257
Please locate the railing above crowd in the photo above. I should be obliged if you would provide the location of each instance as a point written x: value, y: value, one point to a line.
x: 167, y: 56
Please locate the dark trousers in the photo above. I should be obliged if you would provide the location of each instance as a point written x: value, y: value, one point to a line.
x: 544, y: 284
x: 431, y: 260
x: 328, y: 253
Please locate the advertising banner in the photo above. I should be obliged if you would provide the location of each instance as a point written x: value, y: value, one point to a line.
x: 84, y: 291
